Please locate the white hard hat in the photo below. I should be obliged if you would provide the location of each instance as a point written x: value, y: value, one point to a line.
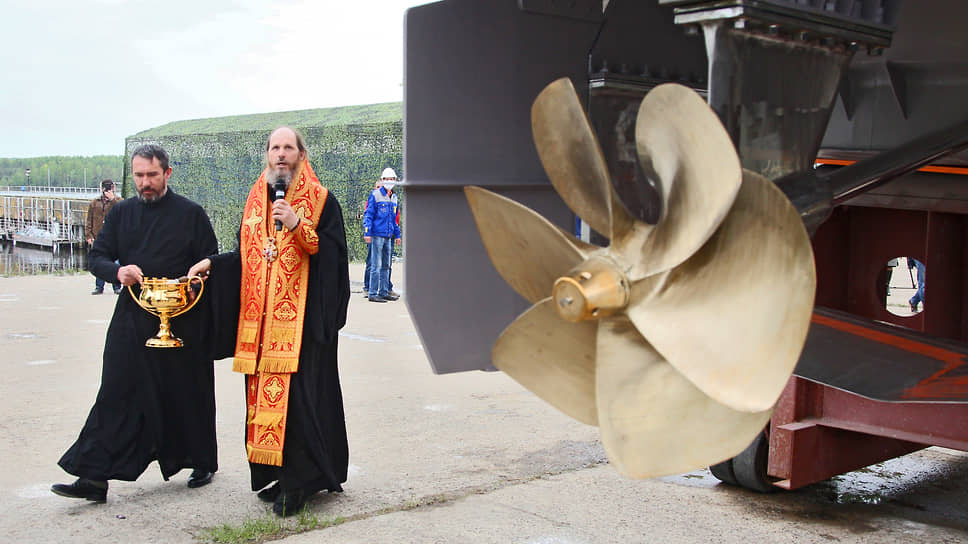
x: 388, y: 173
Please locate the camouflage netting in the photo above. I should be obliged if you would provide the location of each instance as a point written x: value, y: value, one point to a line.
x: 217, y: 168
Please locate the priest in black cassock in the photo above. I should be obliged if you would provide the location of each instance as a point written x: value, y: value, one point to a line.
x: 154, y: 404
x: 279, y: 301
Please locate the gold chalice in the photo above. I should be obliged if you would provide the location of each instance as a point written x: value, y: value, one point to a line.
x: 166, y: 299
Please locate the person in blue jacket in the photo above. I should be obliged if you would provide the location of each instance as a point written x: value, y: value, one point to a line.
x: 381, y: 230
x: 918, y: 297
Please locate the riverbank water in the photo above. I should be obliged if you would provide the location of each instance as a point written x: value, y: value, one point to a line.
x: 26, y: 260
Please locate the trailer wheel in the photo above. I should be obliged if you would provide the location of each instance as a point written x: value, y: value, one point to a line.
x: 749, y: 466
x: 724, y: 472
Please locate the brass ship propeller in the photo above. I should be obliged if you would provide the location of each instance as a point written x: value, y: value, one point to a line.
x: 678, y: 338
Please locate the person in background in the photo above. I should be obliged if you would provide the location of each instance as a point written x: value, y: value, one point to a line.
x: 380, y: 229
x: 97, y: 211
x: 918, y: 297
x: 389, y: 180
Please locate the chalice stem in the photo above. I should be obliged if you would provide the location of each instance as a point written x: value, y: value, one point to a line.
x: 164, y: 331
x: 164, y: 338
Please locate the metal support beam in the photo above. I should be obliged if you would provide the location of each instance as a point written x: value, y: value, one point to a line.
x: 818, y: 432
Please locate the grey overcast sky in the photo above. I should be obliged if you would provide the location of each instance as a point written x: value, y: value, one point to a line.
x: 78, y: 76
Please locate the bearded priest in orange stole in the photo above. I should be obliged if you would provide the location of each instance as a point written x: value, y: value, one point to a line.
x: 284, y: 292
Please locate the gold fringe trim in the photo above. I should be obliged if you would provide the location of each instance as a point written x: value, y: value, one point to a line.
x: 245, y: 366
x: 279, y: 365
x: 267, y: 419
x: 264, y: 457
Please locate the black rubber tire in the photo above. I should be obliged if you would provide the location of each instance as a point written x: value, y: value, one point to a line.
x: 724, y: 472
x: 749, y: 466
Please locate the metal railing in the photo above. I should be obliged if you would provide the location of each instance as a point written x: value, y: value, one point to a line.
x: 44, y: 218
x: 34, y: 190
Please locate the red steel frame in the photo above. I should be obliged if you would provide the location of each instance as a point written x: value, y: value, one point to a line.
x: 818, y: 431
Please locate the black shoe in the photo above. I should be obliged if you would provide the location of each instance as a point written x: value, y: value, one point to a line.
x: 289, y: 503
x: 97, y: 291
x: 199, y: 478
x: 391, y: 296
x: 271, y: 493
x: 83, y: 489
x: 376, y: 298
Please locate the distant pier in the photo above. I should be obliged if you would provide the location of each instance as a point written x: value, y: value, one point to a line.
x: 49, y: 217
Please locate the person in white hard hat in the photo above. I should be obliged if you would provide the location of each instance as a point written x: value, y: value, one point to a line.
x: 380, y: 226
x: 390, y: 176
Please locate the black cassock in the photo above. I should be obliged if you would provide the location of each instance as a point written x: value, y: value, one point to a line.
x: 154, y: 403
x: 315, y: 454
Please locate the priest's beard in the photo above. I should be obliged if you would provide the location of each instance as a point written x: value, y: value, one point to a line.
x: 275, y: 175
x: 152, y: 196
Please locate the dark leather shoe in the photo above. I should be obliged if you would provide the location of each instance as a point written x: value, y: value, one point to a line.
x: 392, y: 297
x: 289, y: 503
x: 83, y: 489
x: 271, y: 493
x: 377, y: 299
x: 199, y: 478
x: 97, y: 291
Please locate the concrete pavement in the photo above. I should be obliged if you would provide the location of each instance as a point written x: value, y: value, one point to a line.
x: 469, y: 457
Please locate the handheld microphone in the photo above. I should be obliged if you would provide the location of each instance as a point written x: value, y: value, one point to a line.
x: 280, y: 187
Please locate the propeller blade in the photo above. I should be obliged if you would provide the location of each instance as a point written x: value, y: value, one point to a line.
x: 684, y: 148
x: 733, y: 318
x: 527, y: 250
x: 653, y: 421
x: 552, y: 358
x: 573, y: 160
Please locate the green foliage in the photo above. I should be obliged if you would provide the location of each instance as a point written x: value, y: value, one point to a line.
x: 268, y: 527
x: 370, y: 114
x: 253, y: 530
x: 215, y: 161
x: 64, y: 171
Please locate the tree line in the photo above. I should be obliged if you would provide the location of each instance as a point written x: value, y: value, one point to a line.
x: 64, y: 171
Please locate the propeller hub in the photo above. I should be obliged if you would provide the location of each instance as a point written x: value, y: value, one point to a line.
x: 597, y: 288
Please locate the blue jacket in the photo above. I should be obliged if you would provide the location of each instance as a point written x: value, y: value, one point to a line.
x: 380, y: 216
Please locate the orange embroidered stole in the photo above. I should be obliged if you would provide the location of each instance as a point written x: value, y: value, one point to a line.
x: 275, y: 270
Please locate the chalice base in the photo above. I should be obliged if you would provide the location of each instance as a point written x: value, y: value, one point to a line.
x: 164, y: 339
x: 164, y: 342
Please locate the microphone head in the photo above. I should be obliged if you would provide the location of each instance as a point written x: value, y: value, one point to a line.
x: 280, y: 187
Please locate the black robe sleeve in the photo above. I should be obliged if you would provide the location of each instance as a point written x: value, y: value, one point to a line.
x: 204, y: 242
x: 329, y: 277
x: 225, y: 287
